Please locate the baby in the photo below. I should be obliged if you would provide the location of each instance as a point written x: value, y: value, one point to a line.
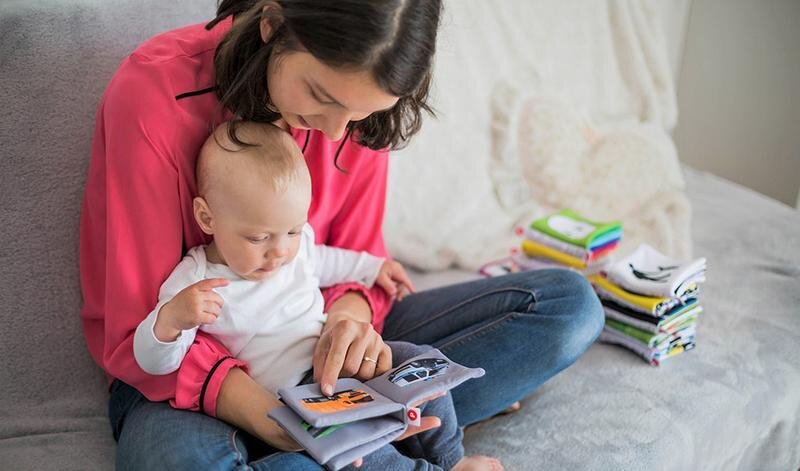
x: 256, y: 286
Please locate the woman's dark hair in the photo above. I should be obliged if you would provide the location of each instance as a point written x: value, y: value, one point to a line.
x: 393, y: 39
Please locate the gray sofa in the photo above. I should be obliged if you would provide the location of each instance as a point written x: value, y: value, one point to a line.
x: 733, y: 403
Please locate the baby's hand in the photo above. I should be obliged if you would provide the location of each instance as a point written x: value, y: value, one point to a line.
x: 195, y: 305
x: 393, y: 279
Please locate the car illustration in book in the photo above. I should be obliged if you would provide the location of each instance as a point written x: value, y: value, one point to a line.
x: 342, y: 400
x: 418, y: 370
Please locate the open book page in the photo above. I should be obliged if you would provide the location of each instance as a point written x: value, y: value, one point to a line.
x: 351, y: 401
x: 422, y: 376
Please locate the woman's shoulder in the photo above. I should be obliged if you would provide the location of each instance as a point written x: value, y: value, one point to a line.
x: 185, y: 42
x: 145, y: 97
x: 166, y: 65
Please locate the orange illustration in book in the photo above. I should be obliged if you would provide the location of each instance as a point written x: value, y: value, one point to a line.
x: 342, y: 400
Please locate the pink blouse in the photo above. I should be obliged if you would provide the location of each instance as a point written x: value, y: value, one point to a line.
x: 137, y: 220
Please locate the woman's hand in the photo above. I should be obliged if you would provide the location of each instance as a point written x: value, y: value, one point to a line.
x: 347, y: 333
x: 349, y: 348
x: 245, y: 404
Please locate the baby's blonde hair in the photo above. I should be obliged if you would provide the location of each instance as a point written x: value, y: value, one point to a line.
x: 272, y: 156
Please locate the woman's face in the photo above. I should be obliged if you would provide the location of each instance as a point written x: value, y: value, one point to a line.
x: 311, y: 95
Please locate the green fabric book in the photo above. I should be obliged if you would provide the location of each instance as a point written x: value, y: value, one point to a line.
x: 648, y: 338
x: 572, y: 228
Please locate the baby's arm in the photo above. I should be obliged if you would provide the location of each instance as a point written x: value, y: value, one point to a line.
x: 184, y: 303
x: 334, y: 265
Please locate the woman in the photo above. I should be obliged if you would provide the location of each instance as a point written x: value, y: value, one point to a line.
x: 349, y: 80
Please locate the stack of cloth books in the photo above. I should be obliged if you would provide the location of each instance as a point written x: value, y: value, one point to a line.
x: 568, y: 239
x: 650, y: 301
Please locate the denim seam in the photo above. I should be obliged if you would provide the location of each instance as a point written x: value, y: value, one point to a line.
x: 465, y: 302
x: 482, y: 331
x: 239, y: 455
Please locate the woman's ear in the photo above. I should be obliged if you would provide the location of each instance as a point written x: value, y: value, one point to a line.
x: 269, y: 18
x: 203, y: 215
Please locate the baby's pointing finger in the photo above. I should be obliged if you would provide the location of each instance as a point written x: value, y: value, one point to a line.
x: 211, y: 283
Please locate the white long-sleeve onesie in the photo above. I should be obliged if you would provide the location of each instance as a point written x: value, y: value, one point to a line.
x: 272, y: 324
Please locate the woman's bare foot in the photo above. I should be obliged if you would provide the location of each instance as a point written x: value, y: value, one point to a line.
x: 514, y: 407
x: 478, y: 463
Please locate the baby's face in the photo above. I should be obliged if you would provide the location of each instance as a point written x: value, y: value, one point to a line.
x: 258, y: 231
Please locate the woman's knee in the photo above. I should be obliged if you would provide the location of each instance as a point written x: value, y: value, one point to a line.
x: 568, y: 297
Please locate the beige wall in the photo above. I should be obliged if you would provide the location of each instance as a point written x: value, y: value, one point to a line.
x: 739, y: 93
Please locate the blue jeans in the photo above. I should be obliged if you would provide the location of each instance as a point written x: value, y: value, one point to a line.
x: 522, y: 329
x: 153, y: 435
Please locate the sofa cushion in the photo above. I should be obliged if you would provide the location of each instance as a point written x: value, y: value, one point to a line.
x: 56, y: 58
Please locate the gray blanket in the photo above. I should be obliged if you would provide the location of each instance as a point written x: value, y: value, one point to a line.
x: 731, y: 403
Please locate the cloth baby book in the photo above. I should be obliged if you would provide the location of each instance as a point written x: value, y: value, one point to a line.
x: 653, y: 305
x: 676, y: 316
x: 567, y: 226
x: 361, y: 417
x: 537, y: 250
x: 649, y: 272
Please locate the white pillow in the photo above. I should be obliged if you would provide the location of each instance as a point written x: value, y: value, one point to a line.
x: 547, y: 155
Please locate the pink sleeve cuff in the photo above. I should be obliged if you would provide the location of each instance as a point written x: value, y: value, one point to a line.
x: 379, y: 302
x: 198, y: 385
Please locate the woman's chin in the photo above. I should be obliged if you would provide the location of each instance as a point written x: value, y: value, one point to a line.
x: 300, y: 123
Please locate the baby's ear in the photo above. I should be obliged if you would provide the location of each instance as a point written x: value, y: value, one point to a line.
x: 203, y: 215
x: 270, y: 20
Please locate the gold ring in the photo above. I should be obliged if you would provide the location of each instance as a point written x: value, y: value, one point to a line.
x: 370, y: 359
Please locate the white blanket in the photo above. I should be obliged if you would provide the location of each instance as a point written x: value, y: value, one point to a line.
x: 606, y: 58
